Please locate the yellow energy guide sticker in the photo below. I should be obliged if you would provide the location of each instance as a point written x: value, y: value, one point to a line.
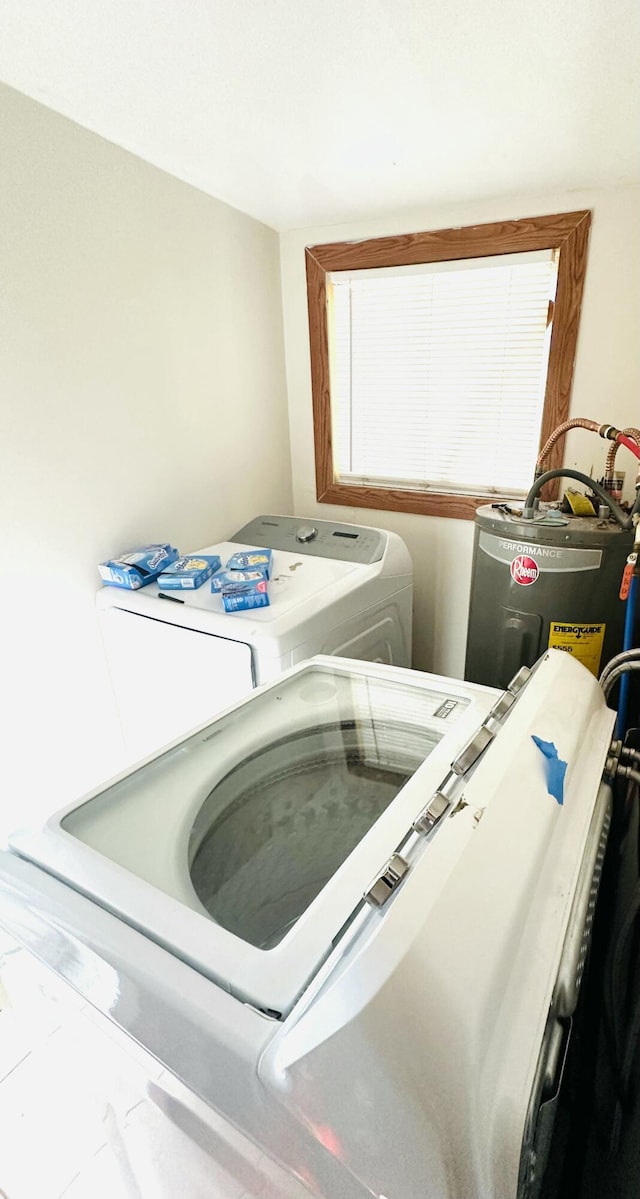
x: 582, y: 641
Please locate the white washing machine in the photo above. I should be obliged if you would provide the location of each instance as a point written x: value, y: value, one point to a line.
x: 350, y: 916
x: 176, y: 660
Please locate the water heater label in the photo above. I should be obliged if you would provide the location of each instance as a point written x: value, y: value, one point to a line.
x: 547, y: 558
x: 524, y: 570
x: 582, y: 641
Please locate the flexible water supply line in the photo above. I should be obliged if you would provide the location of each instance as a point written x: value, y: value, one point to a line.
x: 577, y: 422
x: 622, y: 439
x: 565, y: 472
x: 616, y: 674
x: 629, y: 437
x: 628, y: 655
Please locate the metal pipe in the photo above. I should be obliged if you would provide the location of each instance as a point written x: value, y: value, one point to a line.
x: 630, y: 753
x: 565, y: 472
x: 612, y: 679
x: 628, y: 773
x: 627, y: 655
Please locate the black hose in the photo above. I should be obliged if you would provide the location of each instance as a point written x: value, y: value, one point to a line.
x: 566, y: 472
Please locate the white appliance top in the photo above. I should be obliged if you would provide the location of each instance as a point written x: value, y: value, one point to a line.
x: 247, y: 847
x: 334, y: 562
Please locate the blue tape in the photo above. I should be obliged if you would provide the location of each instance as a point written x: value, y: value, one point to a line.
x: 555, y: 768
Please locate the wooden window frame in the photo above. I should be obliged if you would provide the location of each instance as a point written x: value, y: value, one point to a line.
x: 566, y: 232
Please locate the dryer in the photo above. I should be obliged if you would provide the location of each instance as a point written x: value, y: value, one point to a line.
x: 176, y: 660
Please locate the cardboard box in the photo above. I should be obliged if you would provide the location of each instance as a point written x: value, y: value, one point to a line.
x: 138, y: 567
x: 189, y: 572
x: 244, y: 601
x: 251, y: 560
x: 225, y: 578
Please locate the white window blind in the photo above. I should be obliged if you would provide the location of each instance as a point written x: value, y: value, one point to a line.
x: 438, y: 373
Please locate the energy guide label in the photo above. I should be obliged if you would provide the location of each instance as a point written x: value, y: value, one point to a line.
x: 582, y: 641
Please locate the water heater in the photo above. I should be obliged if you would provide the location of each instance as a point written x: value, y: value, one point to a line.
x: 550, y: 582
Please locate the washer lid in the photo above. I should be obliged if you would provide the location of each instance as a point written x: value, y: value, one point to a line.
x: 247, y: 847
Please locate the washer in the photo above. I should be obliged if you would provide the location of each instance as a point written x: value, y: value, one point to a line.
x: 351, y: 916
x: 176, y: 661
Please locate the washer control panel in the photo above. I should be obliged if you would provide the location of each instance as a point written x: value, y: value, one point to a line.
x: 322, y: 538
x: 306, y: 533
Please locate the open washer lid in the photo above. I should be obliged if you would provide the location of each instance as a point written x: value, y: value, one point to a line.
x: 247, y: 847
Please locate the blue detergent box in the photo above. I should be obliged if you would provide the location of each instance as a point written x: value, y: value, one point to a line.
x: 225, y: 578
x: 251, y: 560
x: 242, y: 603
x: 188, y: 572
x: 138, y: 567
x: 239, y: 597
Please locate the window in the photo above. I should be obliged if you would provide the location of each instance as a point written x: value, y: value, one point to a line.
x: 440, y: 361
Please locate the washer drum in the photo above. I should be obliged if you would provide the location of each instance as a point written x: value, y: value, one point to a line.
x: 540, y: 585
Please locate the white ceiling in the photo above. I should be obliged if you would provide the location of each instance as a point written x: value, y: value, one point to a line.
x: 302, y: 112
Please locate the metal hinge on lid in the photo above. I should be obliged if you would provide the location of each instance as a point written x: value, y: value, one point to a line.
x: 519, y: 679
x: 477, y: 744
x: 439, y: 803
x: 433, y: 812
x: 443, y: 798
x: 472, y: 750
x: 502, y: 706
x: 387, y: 881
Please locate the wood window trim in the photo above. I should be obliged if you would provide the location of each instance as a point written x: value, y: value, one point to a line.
x: 567, y: 232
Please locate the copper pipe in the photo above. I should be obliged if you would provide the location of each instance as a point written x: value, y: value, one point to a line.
x: 578, y: 422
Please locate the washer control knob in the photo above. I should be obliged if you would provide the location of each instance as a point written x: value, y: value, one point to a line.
x: 306, y: 533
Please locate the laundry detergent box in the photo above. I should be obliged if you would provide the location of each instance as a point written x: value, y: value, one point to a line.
x: 225, y: 578
x: 251, y: 560
x: 240, y: 597
x: 188, y: 572
x: 138, y: 567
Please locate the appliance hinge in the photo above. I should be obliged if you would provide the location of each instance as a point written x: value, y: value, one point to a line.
x: 387, y: 881
x: 433, y: 813
x: 443, y: 798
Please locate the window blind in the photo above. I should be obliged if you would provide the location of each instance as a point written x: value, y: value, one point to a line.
x: 438, y: 373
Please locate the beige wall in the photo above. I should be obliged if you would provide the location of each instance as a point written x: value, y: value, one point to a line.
x: 606, y: 387
x: 142, y: 397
